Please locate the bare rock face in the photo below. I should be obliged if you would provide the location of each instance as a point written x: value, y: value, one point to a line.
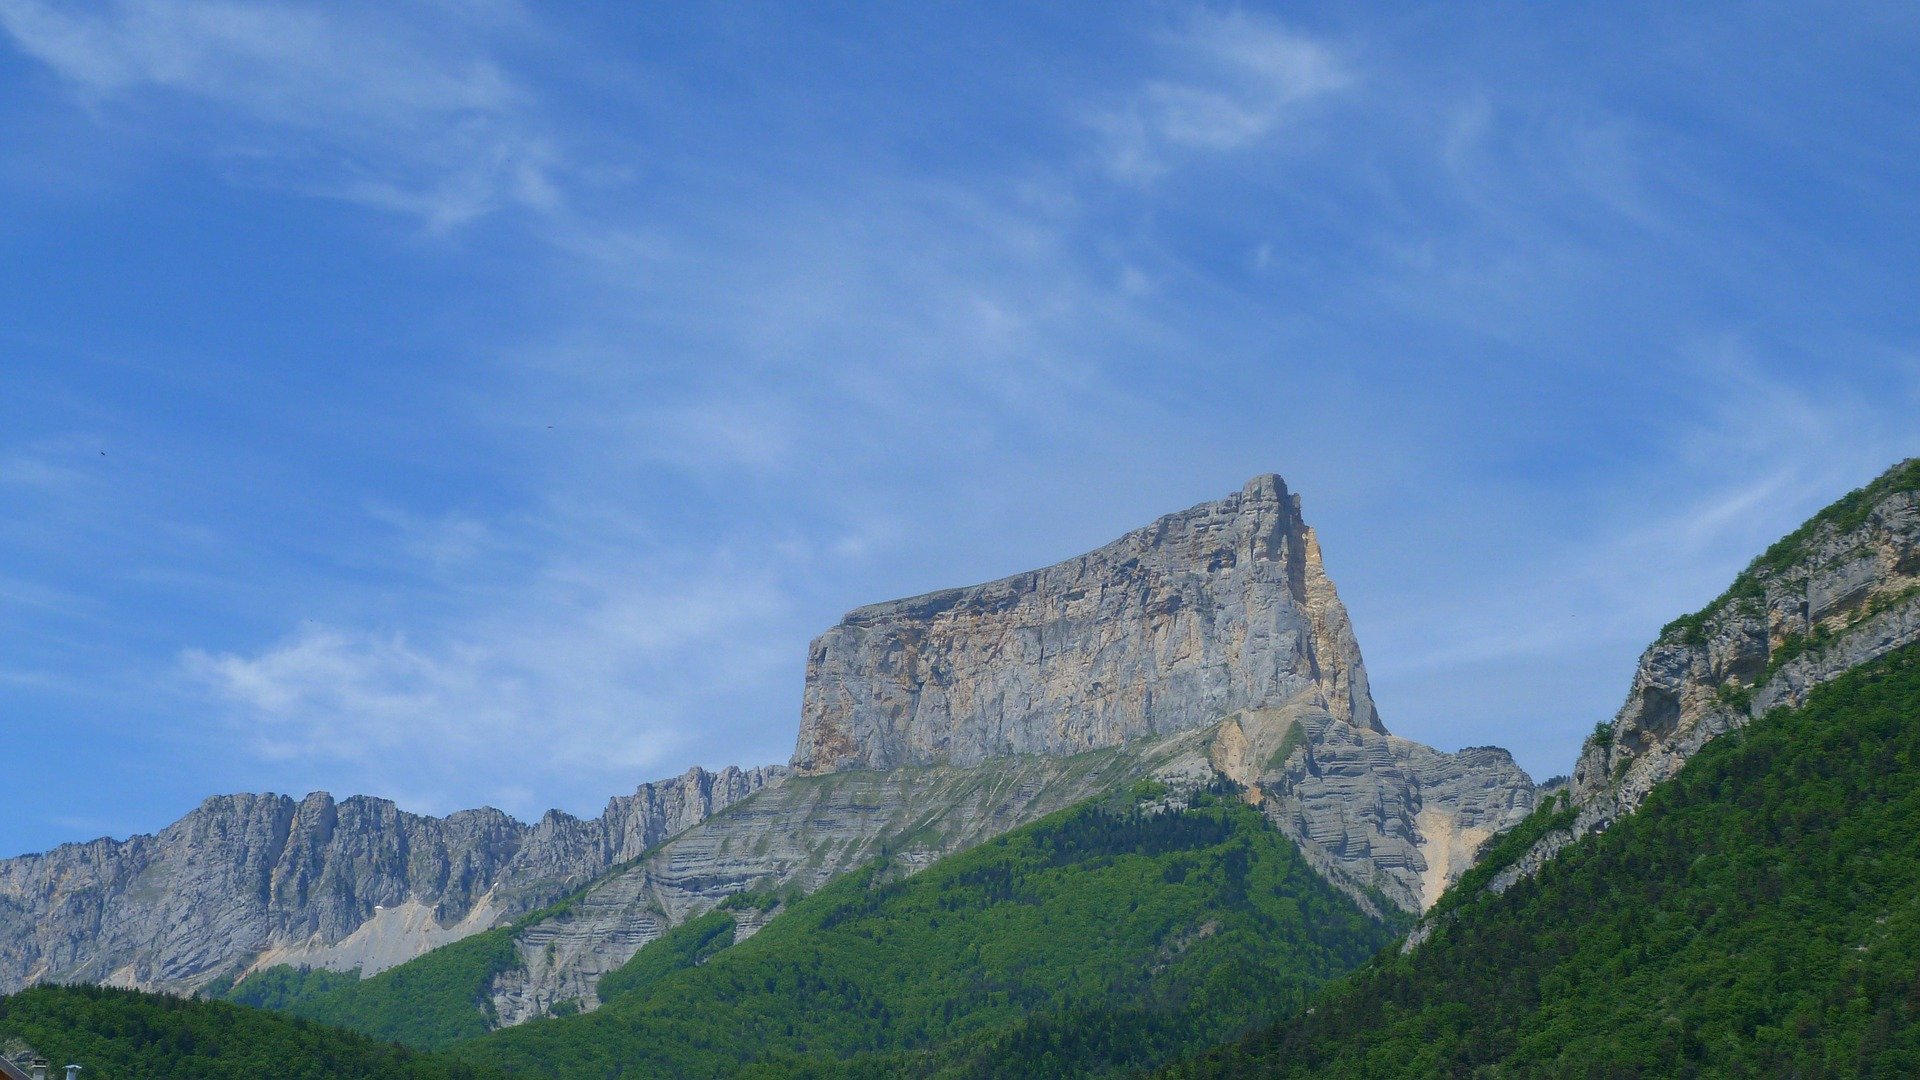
x: 796, y: 835
x: 1841, y: 591
x: 253, y: 880
x: 1216, y: 609
x: 1373, y: 813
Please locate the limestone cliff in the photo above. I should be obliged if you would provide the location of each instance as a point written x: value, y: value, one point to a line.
x: 1210, y: 643
x: 1841, y: 590
x: 251, y: 880
x: 1203, y: 613
x: 1372, y: 812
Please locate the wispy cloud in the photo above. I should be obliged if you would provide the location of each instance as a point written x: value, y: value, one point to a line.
x: 1234, y: 79
x: 1739, y: 456
x: 352, y: 101
x: 588, y: 678
x: 742, y: 363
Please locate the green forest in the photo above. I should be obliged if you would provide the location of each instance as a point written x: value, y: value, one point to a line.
x: 429, y: 1002
x: 127, y: 1035
x: 1099, y: 940
x: 1759, y: 916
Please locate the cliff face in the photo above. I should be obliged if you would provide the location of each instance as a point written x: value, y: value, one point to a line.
x: 1205, y: 612
x: 1208, y: 644
x: 248, y: 880
x: 1376, y: 815
x: 1840, y: 591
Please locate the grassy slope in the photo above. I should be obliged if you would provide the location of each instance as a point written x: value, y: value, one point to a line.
x: 1094, y: 939
x: 1759, y: 916
x: 126, y: 1035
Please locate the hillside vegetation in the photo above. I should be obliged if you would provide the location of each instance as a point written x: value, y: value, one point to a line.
x: 127, y: 1035
x: 1097, y: 940
x: 429, y: 1002
x: 1759, y: 916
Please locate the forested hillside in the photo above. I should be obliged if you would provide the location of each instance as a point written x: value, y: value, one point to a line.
x: 429, y: 1002
x: 1098, y: 940
x: 1759, y: 916
x: 127, y: 1035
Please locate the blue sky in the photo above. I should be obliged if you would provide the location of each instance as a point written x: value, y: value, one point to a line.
x: 475, y: 403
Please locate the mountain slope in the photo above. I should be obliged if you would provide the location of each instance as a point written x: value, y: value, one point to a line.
x: 1194, y: 917
x: 793, y: 837
x: 128, y: 1035
x: 1837, y: 592
x: 1759, y: 915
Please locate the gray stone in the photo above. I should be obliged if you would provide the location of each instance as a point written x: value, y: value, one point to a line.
x: 1203, y: 613
x: 1853, y: 593
x: 1210, y: 643
x: 252, y: 880
x: 1849, y: 595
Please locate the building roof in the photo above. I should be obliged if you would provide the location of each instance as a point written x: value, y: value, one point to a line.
x: 11, y: 1071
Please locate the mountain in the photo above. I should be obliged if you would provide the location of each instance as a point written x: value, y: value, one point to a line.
x: 1755, y: 917
x: 900, y: 685
x: 1726, y: 886
x: 1204, y: 613
x: 1168, y: 922
x: 254, y: 880
x: 129, y: 1035
x: 1210, y: 644
x: 1841, y: 590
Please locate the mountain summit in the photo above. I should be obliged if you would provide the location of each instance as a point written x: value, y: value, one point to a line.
x: 1208, y: 646
x: 1203, y: 613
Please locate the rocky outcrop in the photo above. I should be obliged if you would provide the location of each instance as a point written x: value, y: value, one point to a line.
x: 251, y: 880
x: 1216, y: 609
x: 1840, y: 591
x: 1374, y: 814
x: 1210, y: 643
x: 794, y: 837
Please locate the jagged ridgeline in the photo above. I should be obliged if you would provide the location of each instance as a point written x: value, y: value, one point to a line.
x: 1208, y: 645
x: 1729, y: 885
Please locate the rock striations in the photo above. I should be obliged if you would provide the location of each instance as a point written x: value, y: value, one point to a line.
x: 1840, y: 591
x: 1202, y: 613
x: 251, y: 880
x: 1210, y: 643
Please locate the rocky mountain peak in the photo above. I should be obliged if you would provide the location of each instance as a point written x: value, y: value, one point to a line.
x: 1221, y: 607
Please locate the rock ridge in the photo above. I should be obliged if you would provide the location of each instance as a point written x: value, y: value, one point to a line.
x: 1221, y: 607
x: 1838, y: 592
x: 252, y: 879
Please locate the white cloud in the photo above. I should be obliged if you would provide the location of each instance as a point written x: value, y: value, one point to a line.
x: 1237, y: 79
x: 582, y: 677
x: 347, y: 101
